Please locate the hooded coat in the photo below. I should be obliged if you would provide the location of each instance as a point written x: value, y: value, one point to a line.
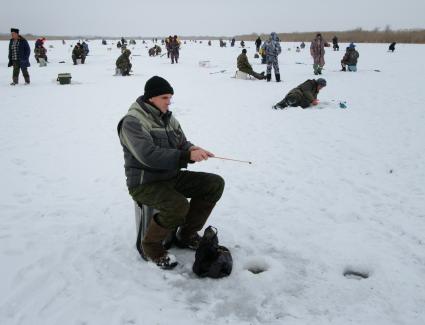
x: 272, y: 46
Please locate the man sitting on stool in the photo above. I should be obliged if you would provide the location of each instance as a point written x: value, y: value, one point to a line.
x: 244, y: 66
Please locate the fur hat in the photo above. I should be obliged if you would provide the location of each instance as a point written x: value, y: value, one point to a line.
x: 157, y: 86
x: 244, y: 51
x: 14, y: 30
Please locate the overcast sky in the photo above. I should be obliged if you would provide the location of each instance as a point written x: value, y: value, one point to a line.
x: 199, y: 17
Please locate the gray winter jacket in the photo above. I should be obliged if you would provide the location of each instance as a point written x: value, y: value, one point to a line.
x: 155, y: 147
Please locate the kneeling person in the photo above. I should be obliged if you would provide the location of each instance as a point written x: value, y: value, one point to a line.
x: 123, y: 63
x: 155, y: 150
x: 304, y: 95
x: 244, y: 66
x: 350, y: 59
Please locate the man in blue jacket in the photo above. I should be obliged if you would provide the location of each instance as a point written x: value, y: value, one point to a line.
x: 19, y: 53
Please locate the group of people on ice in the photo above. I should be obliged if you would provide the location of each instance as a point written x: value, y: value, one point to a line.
x: 172, y: 44
x: 155, y: 148
x: 306, y: 93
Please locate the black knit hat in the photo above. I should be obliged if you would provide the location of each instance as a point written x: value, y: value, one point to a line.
x: 157, y: 86
x: 14, y: 30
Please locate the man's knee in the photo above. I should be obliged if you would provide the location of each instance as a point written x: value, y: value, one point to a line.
x: 215, y: 188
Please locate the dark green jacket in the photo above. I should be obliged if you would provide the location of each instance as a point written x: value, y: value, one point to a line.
x: 123, y: 62
x: 243, y: 64
x: 307, y: 90
x: 155, y: 147
x: 350, y: 57
x: 78, y: 52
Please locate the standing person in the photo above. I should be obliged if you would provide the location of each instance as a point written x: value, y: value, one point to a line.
x: 262, y: 53
x: 175, y: 48
x: 350, y: 59
x: 272, y: 50
x: 244, y: 66
x: 242, y: 44
x: 302, y: 45
x: 317, y: 51
x: 19, y: 54
x: 335, y: 43
x: 155, y: 150
x: 85, y: 47
x: 258, y: 43
x: 123, y: 63
x: 232, y: 42
x: 303, y: 95
x: 392, y: 47
x: 168, y: 45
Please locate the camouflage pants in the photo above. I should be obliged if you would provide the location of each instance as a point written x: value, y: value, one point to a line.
x: 16, y: 68
x: 170, y: 196
x: 272, y: 61
x: 174, y: 56
x: 317, y: 68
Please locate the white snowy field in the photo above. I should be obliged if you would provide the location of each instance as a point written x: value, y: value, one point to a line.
x: 329, y: 190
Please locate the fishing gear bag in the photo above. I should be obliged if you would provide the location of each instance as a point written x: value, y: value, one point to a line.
x: 211, y: 259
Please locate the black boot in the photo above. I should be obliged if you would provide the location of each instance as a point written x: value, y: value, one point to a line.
x: 269, y: 77
x: 281, y: 105
x: 187, y: 235
x: 277, y: 75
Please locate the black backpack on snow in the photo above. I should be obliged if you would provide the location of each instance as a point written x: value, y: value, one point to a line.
x: 211, y: 259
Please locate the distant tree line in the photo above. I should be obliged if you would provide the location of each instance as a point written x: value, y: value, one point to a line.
x: 357, y: 35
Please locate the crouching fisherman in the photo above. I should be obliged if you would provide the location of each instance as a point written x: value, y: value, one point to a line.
x: 350, y: 59
x: 78, y: 53
x: 155, y: 151
x: 123, y: 64
x: 40, y: 52
x: 304, y: 95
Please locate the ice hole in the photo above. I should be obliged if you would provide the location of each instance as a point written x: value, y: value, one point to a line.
x: 256, y: 266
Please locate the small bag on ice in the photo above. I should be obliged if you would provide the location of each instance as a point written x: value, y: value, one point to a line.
x: 211, y: 259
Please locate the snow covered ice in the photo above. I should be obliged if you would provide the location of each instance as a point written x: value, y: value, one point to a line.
x: 330, y: 191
